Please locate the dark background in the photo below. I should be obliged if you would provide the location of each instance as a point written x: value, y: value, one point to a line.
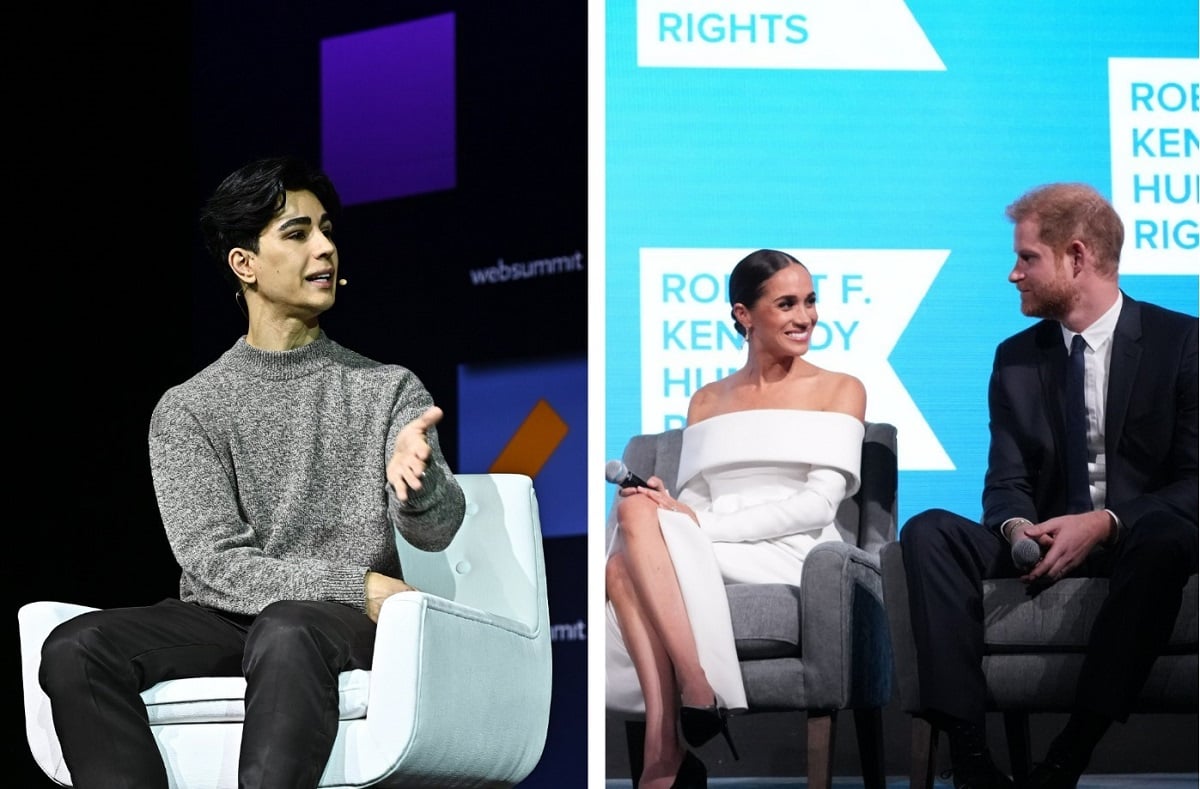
x: 122, y: 121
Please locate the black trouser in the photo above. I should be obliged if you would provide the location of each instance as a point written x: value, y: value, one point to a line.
x: 95, y: 665
x: 946, y: 558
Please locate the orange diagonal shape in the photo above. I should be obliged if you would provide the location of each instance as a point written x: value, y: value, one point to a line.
x: 533, y: 443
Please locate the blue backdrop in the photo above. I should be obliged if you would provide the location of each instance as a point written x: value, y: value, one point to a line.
x: 879, y: 142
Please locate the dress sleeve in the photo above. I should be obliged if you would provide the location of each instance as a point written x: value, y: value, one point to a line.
x: 810, y: 509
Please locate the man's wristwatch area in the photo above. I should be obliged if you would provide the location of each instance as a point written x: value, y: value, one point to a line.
x: 1114, y: 533
x: 1006, y: 528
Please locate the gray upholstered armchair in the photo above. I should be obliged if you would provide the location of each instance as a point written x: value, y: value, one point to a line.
x: 821, y: 646
x: 1033, y: 648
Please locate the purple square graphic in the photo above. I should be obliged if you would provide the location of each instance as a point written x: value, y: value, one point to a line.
x: 388, y: 110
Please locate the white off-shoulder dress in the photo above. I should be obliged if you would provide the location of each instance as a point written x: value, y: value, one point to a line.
x: 766, y: 485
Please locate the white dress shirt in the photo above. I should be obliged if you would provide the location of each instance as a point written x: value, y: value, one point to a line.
x: 1096, y: 361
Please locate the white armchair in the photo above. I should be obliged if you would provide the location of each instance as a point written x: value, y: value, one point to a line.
x: 459, y: 690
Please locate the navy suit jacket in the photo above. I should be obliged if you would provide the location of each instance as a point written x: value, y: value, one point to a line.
x: 1150, y: 437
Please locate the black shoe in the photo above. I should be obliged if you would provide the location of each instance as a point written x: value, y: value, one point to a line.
x: 978, y: 772
x: 701, y: 724
x: 970, y: 760
x: 692, y: 773
x: 1060, y: 770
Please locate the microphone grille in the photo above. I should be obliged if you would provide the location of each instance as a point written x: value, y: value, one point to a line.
x: 614, y: 471
x: 1026, y: 553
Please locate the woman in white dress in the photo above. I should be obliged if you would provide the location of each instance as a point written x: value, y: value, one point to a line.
x: 768, y: 454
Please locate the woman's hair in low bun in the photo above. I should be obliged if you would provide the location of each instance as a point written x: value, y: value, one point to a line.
x: 749, y: 275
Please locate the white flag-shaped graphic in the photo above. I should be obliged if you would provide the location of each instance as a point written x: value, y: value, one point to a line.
x: 866, y: 298
x: 878, y: 35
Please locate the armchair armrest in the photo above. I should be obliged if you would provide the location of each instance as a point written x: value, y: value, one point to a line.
x: 457, y: 690
x: 844, y: 638
x: 35, y: 621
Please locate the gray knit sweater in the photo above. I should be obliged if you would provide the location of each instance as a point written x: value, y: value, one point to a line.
x: 269, y: 468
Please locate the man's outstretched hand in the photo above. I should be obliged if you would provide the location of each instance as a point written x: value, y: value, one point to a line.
x: 406, y: 468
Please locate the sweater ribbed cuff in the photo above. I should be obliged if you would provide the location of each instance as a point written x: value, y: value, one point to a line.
x: 420, y: 500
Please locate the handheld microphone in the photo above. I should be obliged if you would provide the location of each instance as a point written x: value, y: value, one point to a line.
x: 617, y: 473
x: 1026, y: 553
x: 342, y: 282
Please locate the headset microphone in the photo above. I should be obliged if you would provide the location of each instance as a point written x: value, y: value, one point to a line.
x: 342, y: 282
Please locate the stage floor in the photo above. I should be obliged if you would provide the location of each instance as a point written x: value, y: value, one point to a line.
x: 1127, y: 781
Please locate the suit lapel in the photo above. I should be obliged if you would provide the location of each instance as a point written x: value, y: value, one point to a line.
x: 1122, y: 371
x: 1052, y: 362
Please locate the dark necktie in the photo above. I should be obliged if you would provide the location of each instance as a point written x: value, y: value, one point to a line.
x: 1079, y: 499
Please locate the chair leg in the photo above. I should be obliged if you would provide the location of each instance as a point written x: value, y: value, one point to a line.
x: 821, y: 736
x: 1020, y: 758
x: 635, y: 743
x: 924, y: 754
x: 868, y: 725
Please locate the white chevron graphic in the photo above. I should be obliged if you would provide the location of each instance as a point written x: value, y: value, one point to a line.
x: 865, y: 299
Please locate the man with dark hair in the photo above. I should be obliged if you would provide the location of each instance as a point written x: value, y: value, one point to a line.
x: 283, y: 471
x: 1123, y: 507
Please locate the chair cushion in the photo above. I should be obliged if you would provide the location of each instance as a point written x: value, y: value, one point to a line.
x: 222, y: 699
x: 1060, y: 617
x: 766, y: 620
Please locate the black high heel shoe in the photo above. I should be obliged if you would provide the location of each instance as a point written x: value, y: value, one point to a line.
x: 701, y: 724
x: 692, y: 773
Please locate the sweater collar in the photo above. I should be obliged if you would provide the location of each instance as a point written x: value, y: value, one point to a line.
x: 281, y: 365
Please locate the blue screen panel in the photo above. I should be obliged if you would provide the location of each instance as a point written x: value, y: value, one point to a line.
x: 530, y: 418
x: 388, y: 110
